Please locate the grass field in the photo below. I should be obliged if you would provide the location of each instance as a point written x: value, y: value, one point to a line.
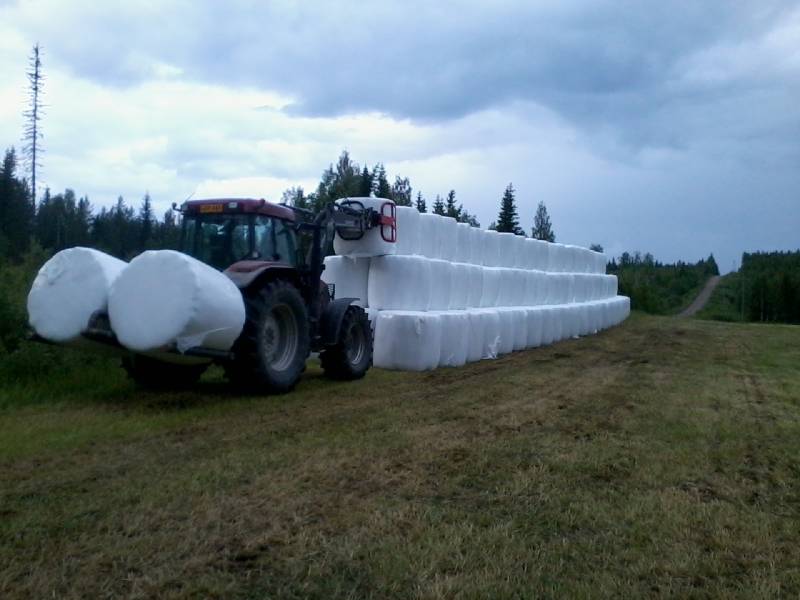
x: 659, y: 458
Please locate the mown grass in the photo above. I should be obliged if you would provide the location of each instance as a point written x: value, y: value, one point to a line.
x: 659, y: 458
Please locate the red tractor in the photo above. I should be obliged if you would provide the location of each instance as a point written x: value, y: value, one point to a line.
x: 274, y: 254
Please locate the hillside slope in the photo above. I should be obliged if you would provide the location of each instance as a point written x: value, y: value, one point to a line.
x: 659, y: 457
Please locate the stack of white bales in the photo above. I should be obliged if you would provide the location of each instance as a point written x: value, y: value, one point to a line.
x: 447, y: 293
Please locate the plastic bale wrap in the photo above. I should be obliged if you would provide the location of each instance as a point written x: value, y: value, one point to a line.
x: 520, y: 277
x: 429, y: 235
x: 595, y: 316
x: 582, y: 286
x: 507, y: 324
x: 611, y: 286
x: 372, y: 315
x: 531, y: 251
x: 372, y: 243
x: 520, y: 328
x: 68, y: 289
x: 407, y: 340
x: 544, y: 256
x: 505, y: 249
x: 548, y: 325
x: 463, y: 240
x: 164, y: 297
x: 541, y: 288
x: 349, y: 275
x: 490, y: 287
x: 408, y: 230
x: 491, y: 332
x: 476, y: 246
x: 534, y: 322
x: 441, y: 284
x: 598, y: 262
x: 599, y: 286
x: 505, y: 290
x: 448, y: 238
x: 531, y: 287
x: 459, y: 285
x: 399, y: 283
x: 475, y: 289
x: 491, y: 248
x: 520, y: 249
x: 477, y: 333
x: 455, y: 338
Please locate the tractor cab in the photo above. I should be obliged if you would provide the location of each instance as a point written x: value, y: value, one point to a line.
x: 222, y: 232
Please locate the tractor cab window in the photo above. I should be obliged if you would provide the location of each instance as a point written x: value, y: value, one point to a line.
x: 285, y: 242
x: 264, y: 236
x: 217, y: 240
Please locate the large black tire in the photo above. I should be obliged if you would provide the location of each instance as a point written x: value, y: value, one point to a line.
x: 272, y: 350
x: 157, y: 375
x: 351, y: 357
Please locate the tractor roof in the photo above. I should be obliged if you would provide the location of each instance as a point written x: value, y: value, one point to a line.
x: 238, y: 206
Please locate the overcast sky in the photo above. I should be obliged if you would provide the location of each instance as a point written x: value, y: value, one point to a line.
x: 669, y: 127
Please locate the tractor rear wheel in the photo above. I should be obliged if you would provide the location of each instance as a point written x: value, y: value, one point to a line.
x: 351, y: 357
x: 158, y: 375
x: 272, y: 350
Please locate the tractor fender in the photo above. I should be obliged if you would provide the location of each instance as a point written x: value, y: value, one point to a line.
x: 246, y: 273
x: 331, y: 319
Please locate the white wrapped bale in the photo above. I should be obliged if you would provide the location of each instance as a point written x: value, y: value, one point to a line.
x: 505, y: 249
x: 544, y: 255
x: 582, y: 287
x: 399, y: 283
x: 408, y: 230
x: 448, y: 238
x: 475, y: 275
x: 459, y: 285
x: 477, y: 334
x: 610, y: 290
x: 441, y: 284
x: 491, y: 248
x: 535, y: 323
x: 548, y: 325
x: 372, y: 243
x: 598, y: 263
x: 349, y: 275
x: 455, y: 338
x: 505, y: 290
x: 463, y: 240
x: 164, y: 297
x: 531, y: 252
x: 557, y: 258
x: 476, y: 246
x: 520, y: 328
x: 429, y: 235
x: 490, y: 286
x: 519, y: 277
x: 520, y: 250
x: 492, y: 333
x: 68, y: 289
x: 507, y: 324
x: 407, y: 340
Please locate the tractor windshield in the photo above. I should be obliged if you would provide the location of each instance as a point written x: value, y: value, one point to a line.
x: 220, y: 240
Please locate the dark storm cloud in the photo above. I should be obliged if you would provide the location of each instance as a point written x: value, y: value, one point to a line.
x: 621, y: 65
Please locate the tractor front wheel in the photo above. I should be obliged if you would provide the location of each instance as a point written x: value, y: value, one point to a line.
x: 351, y: 356
x: 272, y: 350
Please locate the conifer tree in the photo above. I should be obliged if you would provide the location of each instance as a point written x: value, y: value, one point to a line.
x: 365, y: 183
x: 542, y: 228
x: 401, y: 191
x: 438, y: 206
x: 507, y: 219
x: 382, y: 187
x: 450, y: 208
x: 33, y: 114
x: 146, y: 222
x: 421, y: 205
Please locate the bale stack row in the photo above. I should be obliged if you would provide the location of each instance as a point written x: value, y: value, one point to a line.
x: 446, y: 293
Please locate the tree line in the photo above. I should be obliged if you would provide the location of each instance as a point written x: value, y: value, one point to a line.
x: 769, y: 287
x: 660, y: 288
x: 64, y: 220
